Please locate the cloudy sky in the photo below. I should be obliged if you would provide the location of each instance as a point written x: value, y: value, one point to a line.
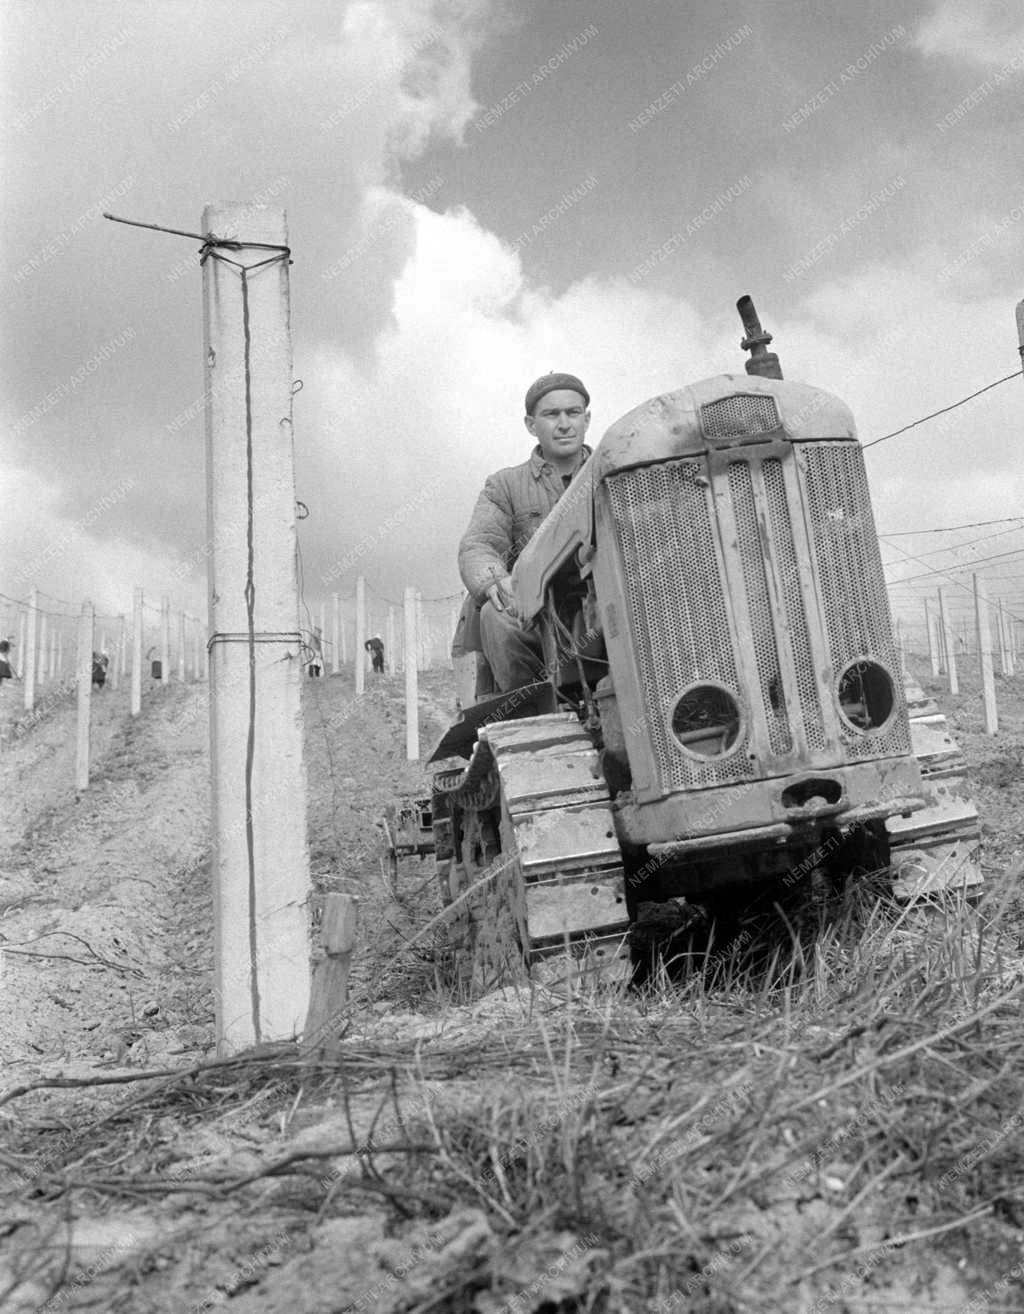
x: 479, y: 191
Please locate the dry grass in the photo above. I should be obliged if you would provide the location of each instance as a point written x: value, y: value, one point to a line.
x: 824, y: 1116
x: 821, y: 1105
x: 813, y: 1112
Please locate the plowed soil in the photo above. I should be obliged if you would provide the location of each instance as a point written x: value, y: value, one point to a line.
x: 105, y: 932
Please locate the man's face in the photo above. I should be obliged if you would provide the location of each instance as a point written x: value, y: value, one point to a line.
x: 559, y: 423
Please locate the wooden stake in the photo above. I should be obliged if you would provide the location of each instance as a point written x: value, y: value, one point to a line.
x: 335, y: 634
x: 360, y: 655
x: 85, y: 651
x: 28, y: 659
x: 136, y: 691
x: 949, y: 640
x: 329, y: 995
x: 258, y: 778
x: 412, y: 710
x: 988, y: 684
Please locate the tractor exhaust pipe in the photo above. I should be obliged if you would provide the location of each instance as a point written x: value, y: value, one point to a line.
x: 756, y: 339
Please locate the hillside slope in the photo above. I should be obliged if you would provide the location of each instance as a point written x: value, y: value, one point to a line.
x: 829, y: 1121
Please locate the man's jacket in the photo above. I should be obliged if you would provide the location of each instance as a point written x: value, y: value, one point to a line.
x: 507, y: 514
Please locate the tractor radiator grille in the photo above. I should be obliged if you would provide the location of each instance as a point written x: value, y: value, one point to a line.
x: 850, y: 574
x: 678, y: 611
x: 759, y: 607
x: 781, y: 532
x: 677, y: 584
x: 740, y: 414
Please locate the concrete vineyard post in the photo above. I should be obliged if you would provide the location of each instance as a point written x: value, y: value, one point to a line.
x: 258, y: 777
x: 181, y: 647
x: 421, y: 660
x: 988, y: 684
x: 412, y: 712
x: 1005, y: 651
x: 28, y: 659
x: 335, y: 634
x: 949, y: 640
x: 360, y: 653
x: 165, y: 641
x: 136, y: 690
x: 22, y: 622
x: 940, y: 652
x: 121, y: 650
x: 929, y: 628
x: 84, y: 680
x: 391, y: 659
x: 41, y: 662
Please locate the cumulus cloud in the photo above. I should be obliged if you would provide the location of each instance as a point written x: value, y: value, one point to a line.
x: 74, y: 559
x: 334, y: 111
x: 425, y: 48
x: 417, y: 328
x: 989, y: 33
x: 409, y: 440
x: 406, y: 443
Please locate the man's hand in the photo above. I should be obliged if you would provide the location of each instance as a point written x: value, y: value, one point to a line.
x: 501, y: 597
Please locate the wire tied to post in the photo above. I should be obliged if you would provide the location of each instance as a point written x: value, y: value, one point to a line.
x: 213, y: 247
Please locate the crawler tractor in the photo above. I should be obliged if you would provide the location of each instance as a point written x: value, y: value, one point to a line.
x: 725, y: 709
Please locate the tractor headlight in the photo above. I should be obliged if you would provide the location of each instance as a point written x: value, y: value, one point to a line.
x: 866, y: 695
x: 706, y: 720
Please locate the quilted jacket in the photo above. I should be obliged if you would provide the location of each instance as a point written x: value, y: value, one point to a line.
x: 507, y: 514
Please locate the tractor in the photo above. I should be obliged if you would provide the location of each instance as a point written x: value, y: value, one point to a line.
x: 725, y: 707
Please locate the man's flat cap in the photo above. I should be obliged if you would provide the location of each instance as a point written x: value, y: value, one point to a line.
x: 553, y: 383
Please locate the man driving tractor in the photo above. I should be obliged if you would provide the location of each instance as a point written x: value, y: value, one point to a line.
x: 513, y: 503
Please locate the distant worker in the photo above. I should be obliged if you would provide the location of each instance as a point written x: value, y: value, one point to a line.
x: 6, y: 669
x: 376, y: 647
x: 100, y: 662
x: 316, y: 660
x: 507, y: 514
